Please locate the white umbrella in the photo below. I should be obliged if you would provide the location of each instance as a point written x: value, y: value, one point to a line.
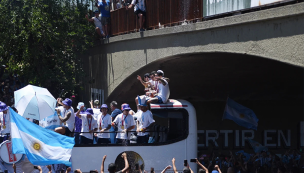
x: 34, y: 102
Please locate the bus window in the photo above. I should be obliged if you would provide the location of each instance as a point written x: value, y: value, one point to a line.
x: 173, y: 123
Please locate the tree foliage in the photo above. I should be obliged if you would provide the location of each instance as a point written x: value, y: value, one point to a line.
x: 41, y: 38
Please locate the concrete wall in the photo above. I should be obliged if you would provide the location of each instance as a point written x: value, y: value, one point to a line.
x: 254, y: 58
x: 276, y: 34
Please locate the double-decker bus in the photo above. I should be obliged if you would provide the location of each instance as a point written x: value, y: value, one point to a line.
x: 174, y: 134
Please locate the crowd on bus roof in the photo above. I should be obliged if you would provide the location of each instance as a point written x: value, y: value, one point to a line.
x: 93, y: 125
x: 102, y: 16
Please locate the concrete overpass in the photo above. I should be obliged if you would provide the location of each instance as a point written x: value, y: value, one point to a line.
x: 273, y: 34
x: 255, y: 58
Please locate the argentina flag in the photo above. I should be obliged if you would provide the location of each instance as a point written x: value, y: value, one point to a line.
x: 41, y: 146
x: 240, y: 115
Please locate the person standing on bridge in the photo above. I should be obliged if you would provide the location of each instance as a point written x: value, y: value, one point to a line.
x: 105, y: 8
x: 140, y: 12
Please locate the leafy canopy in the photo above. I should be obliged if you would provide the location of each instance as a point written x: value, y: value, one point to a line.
x: 41, y: 38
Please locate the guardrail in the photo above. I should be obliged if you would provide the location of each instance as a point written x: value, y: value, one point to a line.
x: 158, y: 12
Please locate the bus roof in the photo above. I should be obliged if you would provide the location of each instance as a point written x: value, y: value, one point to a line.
x: 172, y: 103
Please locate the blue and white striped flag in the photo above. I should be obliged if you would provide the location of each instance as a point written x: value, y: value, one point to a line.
x: 50, y: 122
x: 257, y: 147
x: 240, y: 114
x: 41, y: 146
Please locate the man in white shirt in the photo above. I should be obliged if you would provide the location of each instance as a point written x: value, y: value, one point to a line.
x: 140, y: 11
x: 125, y: 123
x: 95, y: 107
x: 97, y: 22
x: 144, y: 121
x: 163, y: 89
x: 104, y: 124
x: 66, y: 115
x: 5, y: 123
x: 89, y: 125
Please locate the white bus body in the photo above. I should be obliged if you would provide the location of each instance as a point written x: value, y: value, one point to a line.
x: 156, y: 155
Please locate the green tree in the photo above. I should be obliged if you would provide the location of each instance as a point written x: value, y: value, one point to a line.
x: 41, y: 38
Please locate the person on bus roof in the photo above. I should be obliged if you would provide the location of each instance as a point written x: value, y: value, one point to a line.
x: 89, y: 125
x: 125, y: 123
x: 5, y: 123
x: 115, y: 112
x: 68, y: 119
x: 131, y: 112
x: 96, y: 108
x: 144, y: 121
x: 104, y: 124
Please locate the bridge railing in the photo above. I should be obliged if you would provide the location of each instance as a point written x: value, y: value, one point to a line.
x: 158, y: 12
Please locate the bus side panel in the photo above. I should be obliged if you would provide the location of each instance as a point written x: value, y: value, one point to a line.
x: 192, y: 136
x: 158, y: 157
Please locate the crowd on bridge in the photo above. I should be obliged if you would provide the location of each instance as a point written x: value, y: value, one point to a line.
x: 102, y: 16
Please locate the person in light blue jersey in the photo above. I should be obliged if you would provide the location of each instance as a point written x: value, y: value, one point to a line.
x: 140, y: 12
x: 104, y: 8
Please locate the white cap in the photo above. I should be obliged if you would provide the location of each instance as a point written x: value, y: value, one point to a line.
x: 80, y: 104
x: 160, y: 71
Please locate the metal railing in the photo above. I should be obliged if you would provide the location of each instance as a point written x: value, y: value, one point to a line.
x: 158, y: 13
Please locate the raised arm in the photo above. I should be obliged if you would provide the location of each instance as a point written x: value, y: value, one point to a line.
x: 202, y: 166
x: 49, y: 168
x: 124, y: 156
x: 142, y: 82
x: 218, y: 168
x: 174, y: 167
x: 68, y: 170
x: 162, y: 80
x: 102, y: 164
x: 91, y: 102
x: 14, y: 167
x: 40, y: 169
x: 90, y: 20
x: 168, y: 167
x: 189, y: 168
x: 78, y: 112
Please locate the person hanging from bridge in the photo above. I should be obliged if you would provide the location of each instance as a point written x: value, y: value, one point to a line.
x: 5, y: 122
x: 66, y: 115
x: 104, y: 124
x: 89, y: 125
x: 140, y: 12
x: 125, y: 123
x: 97, y: 22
